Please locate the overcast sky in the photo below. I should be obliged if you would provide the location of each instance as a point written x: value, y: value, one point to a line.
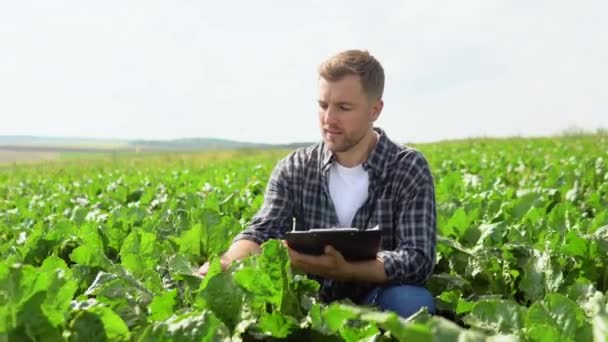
x: 246, y: 70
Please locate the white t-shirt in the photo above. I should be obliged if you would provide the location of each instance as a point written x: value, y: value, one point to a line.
x: 348, y: 188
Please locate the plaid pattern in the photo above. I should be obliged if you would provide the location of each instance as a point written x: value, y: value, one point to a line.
x: 401, y: 201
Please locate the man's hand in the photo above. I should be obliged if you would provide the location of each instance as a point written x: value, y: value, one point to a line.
x: 203, y: 270
x: 330, y: 265
x: 237, y: 251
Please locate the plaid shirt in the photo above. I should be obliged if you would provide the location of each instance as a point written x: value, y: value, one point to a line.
x: 401, y: 201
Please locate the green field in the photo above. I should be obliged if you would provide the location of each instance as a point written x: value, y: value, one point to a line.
x: 103, y: 250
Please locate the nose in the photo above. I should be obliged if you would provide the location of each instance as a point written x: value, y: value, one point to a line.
x: 329, y: 116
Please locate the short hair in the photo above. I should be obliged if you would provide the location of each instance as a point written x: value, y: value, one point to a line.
x: 355, y: 62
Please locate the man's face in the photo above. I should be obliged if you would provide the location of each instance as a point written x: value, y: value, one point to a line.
x: 346, y: 113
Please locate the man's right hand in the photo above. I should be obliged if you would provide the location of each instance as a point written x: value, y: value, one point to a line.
x: 203, y: 270
x: 237, y: 251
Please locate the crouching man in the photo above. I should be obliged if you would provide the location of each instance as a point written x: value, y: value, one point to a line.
x: 355, y: 177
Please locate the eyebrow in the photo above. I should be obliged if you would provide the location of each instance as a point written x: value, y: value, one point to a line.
x: 342, y: 103
x: 346, y: 104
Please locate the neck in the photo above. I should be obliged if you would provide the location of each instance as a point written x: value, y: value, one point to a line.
x: 358, y: 153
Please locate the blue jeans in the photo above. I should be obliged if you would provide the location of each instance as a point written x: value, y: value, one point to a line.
x: 404, y: 300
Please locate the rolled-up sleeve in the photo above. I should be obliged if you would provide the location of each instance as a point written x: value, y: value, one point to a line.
x: 413, y: 259
x: 275, y: 217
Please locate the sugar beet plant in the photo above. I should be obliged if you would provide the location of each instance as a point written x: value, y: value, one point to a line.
x: 104, y: 250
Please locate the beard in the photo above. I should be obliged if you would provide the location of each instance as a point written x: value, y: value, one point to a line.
x: 342, y: 142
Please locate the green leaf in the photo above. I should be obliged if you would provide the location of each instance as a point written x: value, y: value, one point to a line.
x: 180, y: 269
x: 412, y: 332
x: 523, y: 204
x: 316, y: 319
x: 216, y: 231
x: 445, y: 330
x: 540, y: 276
x: 114, y: 326
x: 492, y: 233
x: 497, y: 316
x: 259, y: 284
x: 581, y: 291
x: 600, y: 220
x: 140, y: 252
x: 459, y: 222
x: 464, y: 306
x: 162, y: 306
x: 557, y: 311
x: 328, y: 320
x: 269, y: 281
x: 189, y: 241
x: 359, y: 332
x: 54, y: 278
x: 99, y: 324
x: 441, y: 282
x: 601, y: 236
x: 403, y: 330
x: 179, y: 266
x: 88, y: 256
x: 191, y: 326
x: 87, y: 327
x: 222, y: 296
x: 215, y: 268
x: 122, y: 293
x: 575, y: 245
x: 542, y: 332
x: 36, y: 300
x: 134, y: 196
x: 34, y: 321
x: 599, y: 317
x: 37, y: 248
x: 119, y: 224
x: 336, y: 315
x: 600, y: 328
x: 277, y: 325
x: 343, y: 318
x: 453, y: 301
x: 91, y: 251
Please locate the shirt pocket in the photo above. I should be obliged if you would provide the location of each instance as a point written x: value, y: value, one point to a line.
x: 384, y: 218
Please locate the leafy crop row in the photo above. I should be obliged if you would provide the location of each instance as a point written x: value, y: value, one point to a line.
x: 105, y: 251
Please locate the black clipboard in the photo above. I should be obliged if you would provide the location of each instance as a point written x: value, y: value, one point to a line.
x: 354, y: 244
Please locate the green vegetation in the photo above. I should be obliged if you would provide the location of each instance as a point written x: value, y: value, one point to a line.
x: 104, y: 250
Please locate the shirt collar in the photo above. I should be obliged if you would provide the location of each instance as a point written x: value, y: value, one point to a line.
x: 375, y: 161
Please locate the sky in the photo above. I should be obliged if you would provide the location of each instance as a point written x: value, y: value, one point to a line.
x: 246, y: 70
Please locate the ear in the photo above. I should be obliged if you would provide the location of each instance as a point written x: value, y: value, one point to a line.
x: 376, y: 109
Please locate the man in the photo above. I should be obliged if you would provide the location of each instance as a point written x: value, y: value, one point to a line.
x: 355, y: 177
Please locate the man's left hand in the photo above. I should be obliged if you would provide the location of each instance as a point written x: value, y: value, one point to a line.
x: 331, y: 265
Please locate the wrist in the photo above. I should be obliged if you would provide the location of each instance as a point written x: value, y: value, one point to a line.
x: 226, y: 261
x: 349, y: 271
